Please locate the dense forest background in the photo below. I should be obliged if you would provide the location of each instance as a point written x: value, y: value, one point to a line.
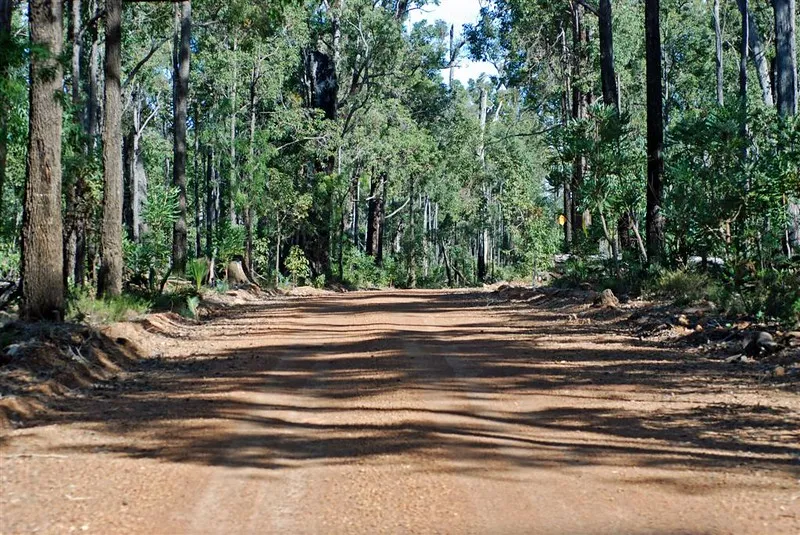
x: 329, y: 142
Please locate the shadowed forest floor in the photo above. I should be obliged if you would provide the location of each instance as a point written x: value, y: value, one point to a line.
x: 413, y: 412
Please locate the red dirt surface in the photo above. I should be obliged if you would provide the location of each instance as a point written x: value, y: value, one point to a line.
x: 410, y: 412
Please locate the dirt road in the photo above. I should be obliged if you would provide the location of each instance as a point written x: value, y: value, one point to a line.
x: 410, y: 412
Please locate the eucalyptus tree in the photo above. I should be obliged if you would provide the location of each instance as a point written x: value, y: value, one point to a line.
x: 655, y: 133
x: 42, y: 247
x: 182, y: 52
x: 786, y: 56
x: 7, y: 44
x: 110, y: 280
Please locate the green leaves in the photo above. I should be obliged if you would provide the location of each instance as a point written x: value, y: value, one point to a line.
x: 297, y: 265
x: 150, y: 258
x: 197, y: 271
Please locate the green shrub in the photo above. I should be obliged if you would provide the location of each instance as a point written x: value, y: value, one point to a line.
x: 192, y: 307
x: 229, y: 242
x: 184, y: 301
x: 773, y: 294
x: 684, y: 287
x: 85, y: 307
x: 361, y: 270
x: 577, y: 271
x: 222, y: 286
x: 297, y: 265
x: 197, y: 271
x: 149, y: 258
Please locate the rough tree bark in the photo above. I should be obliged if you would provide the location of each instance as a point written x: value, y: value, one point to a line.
x: 608, y: 72
x: 759, y: 59
x: 136, y: 176
x: 719, y: 56
x: 70, y: 213
x: 181, y: 82
x: 786, y: 84
x: 373, y: 214
x: 744, y: 50
x: 483, y: 238
x: 209, y: 215
x: 75, y: 38
x: 565, y: 117
x: 786, y: 57
x: 232, y: 175
x: 578, y: 112
x: 93, y: 105
x: 84, y: 251
x: 381, y: 220
x: 655, y: 134
x: 198, y: 247
x: 109, y: 283
x: 42, y: 245
x: 248, y: 213
x: 411, y: 254
x: 5, y: 37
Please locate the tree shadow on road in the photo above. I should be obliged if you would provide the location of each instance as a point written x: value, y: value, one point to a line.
x: 508, y: 388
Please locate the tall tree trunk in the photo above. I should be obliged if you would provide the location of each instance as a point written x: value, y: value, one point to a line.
x: 42, y: 245
x: 759, y: 59
x: 232, y: 176
x: 277, y: 251
x: 110, y: 280
x: 744, y: 51
x: 84, y: 248
x: 71, y: 213
x: 92, y: 114
x: 565, y: 117
x: 355, y: 199
x: 452, y: 57
x: 382, y: 219
x: 248, y: 214
x: 744, y: 48
x: 138, y: 175
x: 373, y: 214
x: 181, y: 81
x: 209, y: 215
x: 127, y: 177
x: 412, y: 242
x: 786, y: 56
x: 655, y: 134
x: 482, y: 234
x: 607, y: 70
x: 578, y: 112
x: 786, y: 85
x: 483, y: 110
x: 198, y: 247
x: 5, y: 38
x: 719, y: 57
x: 75, y: 39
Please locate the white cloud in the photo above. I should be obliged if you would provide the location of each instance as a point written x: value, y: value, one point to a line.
x: 457, y: 12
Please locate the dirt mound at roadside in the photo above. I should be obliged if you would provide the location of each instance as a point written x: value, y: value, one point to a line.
x: 40, y: 363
